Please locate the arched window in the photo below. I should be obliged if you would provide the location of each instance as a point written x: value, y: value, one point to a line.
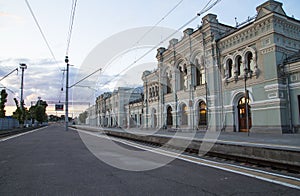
x: 150, y: 92
x: 200, y: 73
x: 153, y: 92
x: 184, y: 114
x: 202, y: 76
x: 238, y: 64
x: 202, y: 114
x: 156, y: 90
x: 249, y: 59
x: 181, y: 78
x: 169, y: 116
x: 153, y: 118
x: 169, y: 89
x: 229, y: 68
x: 198, y: 76
x: 242, y: 114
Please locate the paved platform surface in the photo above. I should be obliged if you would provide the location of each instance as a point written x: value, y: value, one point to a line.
x: 52, y: 161
x: 271, y: 140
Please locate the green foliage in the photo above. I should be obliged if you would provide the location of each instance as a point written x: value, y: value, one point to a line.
x: 3, y: 100
x: 83, y: 116
x: 19, y: 114
x: 53, y: 118
x: 38, y: 111
x: 40, y: 114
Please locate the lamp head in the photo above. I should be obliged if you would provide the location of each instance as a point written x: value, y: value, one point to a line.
x: 23, y: 66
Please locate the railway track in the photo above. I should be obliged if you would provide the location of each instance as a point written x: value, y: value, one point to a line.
x: 267, y: 171
x: 252, y: 162
x: 239, y: 158
x: 8, y: 133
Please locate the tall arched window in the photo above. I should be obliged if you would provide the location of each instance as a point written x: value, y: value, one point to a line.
x: 198, y: 76
x: 168, y: 82
x: 238, y: 64
x: 153, y: 92
x: 153, y: 118
x: 169, y: 116
x: 202, y: 114
x: 229, y: 68
x: 156, y: 90
x: 181, y: 77
x: 150, y: 92
x: 249, y: 58
x: 242, y: 114
x: 184, y: 114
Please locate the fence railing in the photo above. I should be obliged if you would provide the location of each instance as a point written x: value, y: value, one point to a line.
x: 8, y: 123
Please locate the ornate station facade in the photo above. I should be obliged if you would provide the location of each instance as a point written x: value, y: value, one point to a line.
x: 219, y: 77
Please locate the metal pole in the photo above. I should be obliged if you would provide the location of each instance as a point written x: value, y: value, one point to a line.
x: 67, y: 94
x: 147, y: 103
x: 246, y: 102
x: 22, y: 66
x: 22, y: 80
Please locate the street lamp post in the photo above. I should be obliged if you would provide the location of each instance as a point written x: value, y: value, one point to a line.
x: 23, y: 66
x: 67, y: 94
x: 247, y: 74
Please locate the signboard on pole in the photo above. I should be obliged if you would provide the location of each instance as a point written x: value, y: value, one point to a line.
x: 59, y: 107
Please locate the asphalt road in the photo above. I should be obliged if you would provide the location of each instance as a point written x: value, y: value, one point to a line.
x: 52, y: 161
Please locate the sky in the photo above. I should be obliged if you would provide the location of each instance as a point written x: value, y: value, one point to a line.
x: 97, y: 23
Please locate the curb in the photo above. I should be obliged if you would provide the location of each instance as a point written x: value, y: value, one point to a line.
x: 288, y: 159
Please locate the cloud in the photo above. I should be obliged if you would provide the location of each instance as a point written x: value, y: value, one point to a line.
x: 42, y: 78
x: 11, y: 16
x: 9, y: 20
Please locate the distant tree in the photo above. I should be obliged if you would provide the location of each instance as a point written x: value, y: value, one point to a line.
x: 40, y: 114
x: 3, y: 100
x: 31, y: 114
x: 83, y: 117
x: 19, y: 114
x: 38, y: 111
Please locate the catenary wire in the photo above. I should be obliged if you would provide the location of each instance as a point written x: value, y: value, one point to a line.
x: 205, y: 9
x: 151, y: 29
x: 72, y: 17
x: 41, y: 31
x: 156, y: 24
x: 152, y: 47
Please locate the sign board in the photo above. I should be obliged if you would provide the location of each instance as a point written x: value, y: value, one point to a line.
x: 59, y: 107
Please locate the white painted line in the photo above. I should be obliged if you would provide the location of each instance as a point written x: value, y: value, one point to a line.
x: 211, y: 140
x: 213, y: 164
x: 20, y: 134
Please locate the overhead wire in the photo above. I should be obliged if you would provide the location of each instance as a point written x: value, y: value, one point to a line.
x: 206, y: 8
x: 156, y: 24
x: 44, y: 38
x: 153, y: 27
x: 100, y: 69
x: 141, y: 38
x: 41, y: 31
x: 72, y: 17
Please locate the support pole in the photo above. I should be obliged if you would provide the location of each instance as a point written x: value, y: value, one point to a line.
x: 67, y: 94
x: 23, y: 67
x: 247, y: 110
